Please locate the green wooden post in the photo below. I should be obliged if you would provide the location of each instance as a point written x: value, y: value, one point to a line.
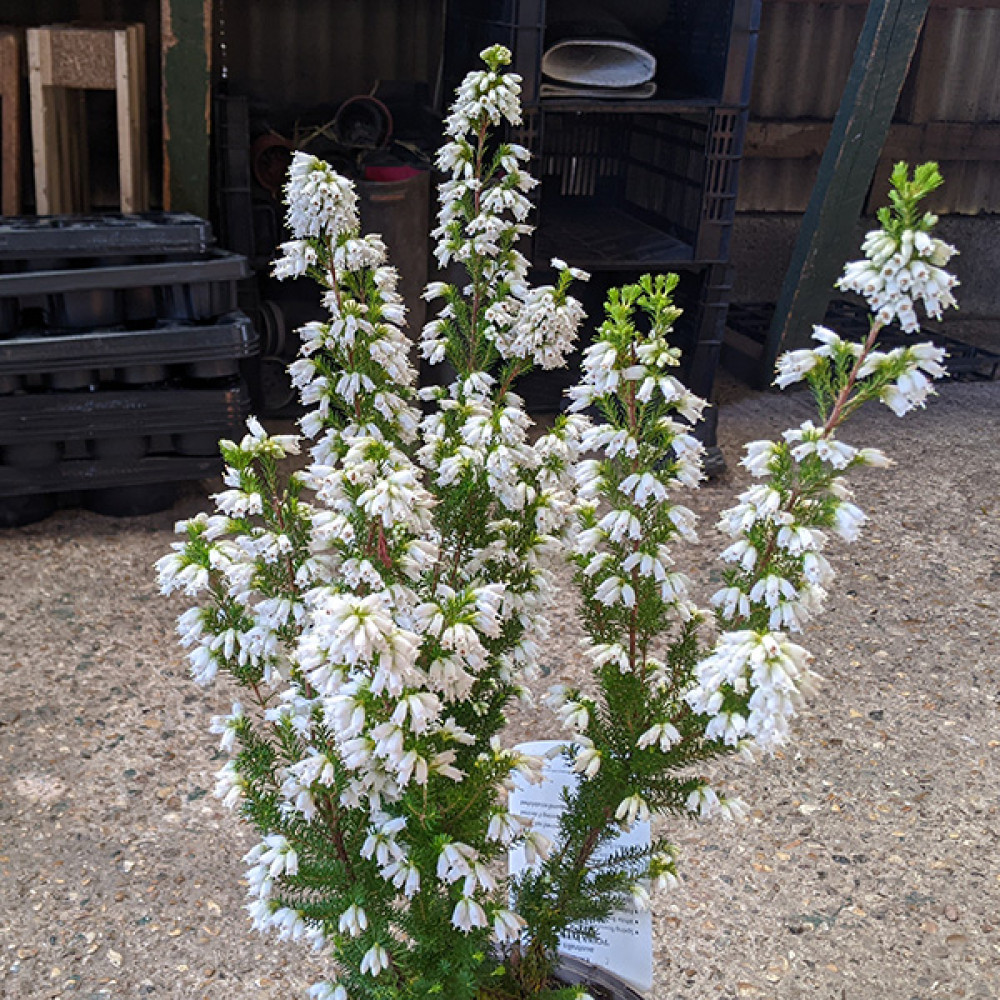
x: 186, y: 47
x: 881, y: 60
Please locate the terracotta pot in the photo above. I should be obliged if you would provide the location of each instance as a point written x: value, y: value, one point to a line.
x: 270, y: 156
x: 363, y: 122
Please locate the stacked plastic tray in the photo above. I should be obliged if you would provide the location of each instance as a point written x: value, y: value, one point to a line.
x: 120, y: 352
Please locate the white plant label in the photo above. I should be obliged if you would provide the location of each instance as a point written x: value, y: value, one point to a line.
x: 626, y: 937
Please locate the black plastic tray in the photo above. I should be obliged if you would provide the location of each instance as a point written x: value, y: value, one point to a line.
x: 55, y: 236
x: 193, y: 290
x: 72, y: 416
x: 82, y: 474
x: 169, y: 344
x: 216, y: 265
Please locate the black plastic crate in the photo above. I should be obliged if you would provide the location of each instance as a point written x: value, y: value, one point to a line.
x: 621, y: 191
x: 194, y: 290
x: 704, y: 48
x: 100, y: 474
x: 474, y: 25
x: 71, y: 416
x: 702, y: 295
x: 88, y: 360
x: 234, y: 184
x: 27, y: 238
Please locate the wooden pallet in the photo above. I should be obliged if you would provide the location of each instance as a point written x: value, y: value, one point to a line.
x: 63, y: 62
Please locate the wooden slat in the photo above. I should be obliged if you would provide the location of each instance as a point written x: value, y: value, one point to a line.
x: 70, y: 174
x: 43, y: 130
x: 138, y: 45
x: 130, y: 102
x: 10, y: 110
x: 931, y: 141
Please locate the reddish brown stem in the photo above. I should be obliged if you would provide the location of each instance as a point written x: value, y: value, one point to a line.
x: 383, y: 549
x: 834, y: 419
x: 476, y: 202
x: 329, y: 810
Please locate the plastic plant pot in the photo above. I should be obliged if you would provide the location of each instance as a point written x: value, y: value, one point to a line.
x: 197, y: 443
x: 77, y: 378
x: 31, y: 454
x: 16, y: 512
x: 141, y: 374
x: 122, y: 449
x: 218, y: 368
x: 83, y: 310
x: 131, y: 501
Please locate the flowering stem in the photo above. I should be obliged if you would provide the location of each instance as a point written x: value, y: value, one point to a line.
x: 332, y: 271
x: 590, y: 843
x: 476, y: 273
x: 279, y: 516
x: 459, y: 547
x: 633, y: 423
x: 383, y: 549
x: 515, y: 372
x: 836, y: 413
x: 261, y: 699
x: 329, y: 810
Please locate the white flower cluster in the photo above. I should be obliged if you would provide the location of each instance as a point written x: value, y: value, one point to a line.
x: 383, y: 608
x: 483, y: 208
x: 766, y: 668
x: 321, y: 203
x: 538, y: 324
x: 911, y: 370
x: 488, y: 92
x: 793, y: 366
x: 903, y: 376
x: 624, y: 546
x: 643, y: 453
x: 374, y: 662
x: 478, y: 438
x: 779, y: 579
x: 607, y: 369
x: 899, y: 272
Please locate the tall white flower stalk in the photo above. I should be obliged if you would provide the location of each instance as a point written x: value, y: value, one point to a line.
x: 626, y: 735
x: 380, y: 607
x: 778, y: 576
x: 504, y: 501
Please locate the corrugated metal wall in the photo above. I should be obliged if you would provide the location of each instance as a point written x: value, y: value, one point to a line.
x: 302, y: 53
x: 949, y: 109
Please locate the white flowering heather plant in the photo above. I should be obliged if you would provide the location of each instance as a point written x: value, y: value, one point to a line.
x: 381, y: 606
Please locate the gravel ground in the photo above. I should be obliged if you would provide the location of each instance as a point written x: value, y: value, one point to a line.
x: 870, y: 865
